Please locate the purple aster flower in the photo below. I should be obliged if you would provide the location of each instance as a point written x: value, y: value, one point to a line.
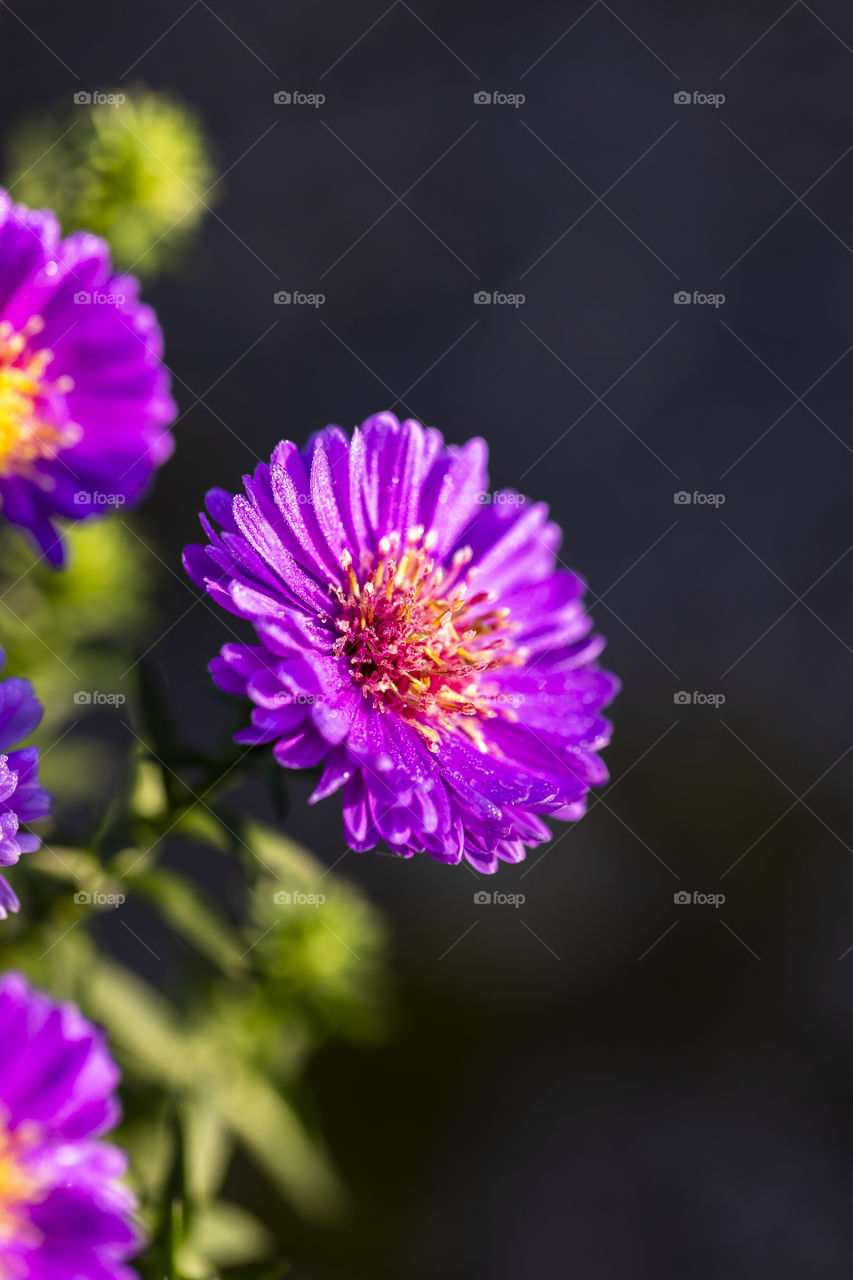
x: 417, y: 640
x: 63, y: 1212
x: 84, y: 397
x: 21, y: 798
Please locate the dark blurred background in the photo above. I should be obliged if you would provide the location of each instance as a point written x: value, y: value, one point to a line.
x: 603, y: 1080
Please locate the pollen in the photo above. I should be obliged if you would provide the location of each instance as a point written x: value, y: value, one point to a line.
x: 28, y: 428
x: 18, y: 1187
x: 421, y: 641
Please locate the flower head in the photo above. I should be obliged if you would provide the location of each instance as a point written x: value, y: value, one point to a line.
x: 21, y: 798
x: 84, y: 397
x: 416, y: 639
x: 131, y: 165
x: 63, y: 1211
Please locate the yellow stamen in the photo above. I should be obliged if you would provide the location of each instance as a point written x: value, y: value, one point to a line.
x: 417, y: 642
x: 18, y: 1187
x: 26, y: 433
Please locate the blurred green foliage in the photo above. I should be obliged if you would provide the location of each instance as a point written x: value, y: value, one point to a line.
x: 137, y: 173
x: 259, y: 973
x: 72, y: 631
x: 214, y: 1059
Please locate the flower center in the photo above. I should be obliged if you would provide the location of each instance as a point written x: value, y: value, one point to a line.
x: 26, y: 431
x: 18, y: 1189
x: 419, y: 643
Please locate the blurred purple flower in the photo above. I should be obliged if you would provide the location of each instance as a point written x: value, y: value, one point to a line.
x: 21, y: 798
x: 84, y: 397
x: 63, y: 1212
x: 417, y: 639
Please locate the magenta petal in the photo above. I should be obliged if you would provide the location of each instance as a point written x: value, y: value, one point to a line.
x: 21, y: 798
x: 104, y: 398
x: 57, y: 1096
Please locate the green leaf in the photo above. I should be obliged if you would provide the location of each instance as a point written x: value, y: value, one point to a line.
x: 194, y: 917
x: 172, y: 1218
x: 201, y: 824
x: 141, y: 1023
x: 133, y: 861
x: 149, y: 794
x: 276, y: 1137
x: 207, y: 1148
x: 224, y: 1235
x: 147, y: 1031
x: 94, y: 885
x: 78, y: 866
x: 282, y: 857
